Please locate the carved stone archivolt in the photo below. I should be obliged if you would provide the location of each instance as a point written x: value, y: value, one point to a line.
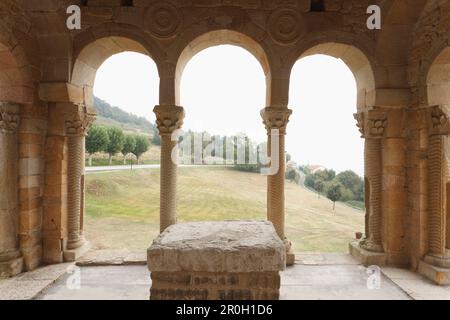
x: 79, y: 122
x: 164, y: 20
x: 285, y: 25
x: 9, y: 117
x: 276, y: 118
x: 169, y: 118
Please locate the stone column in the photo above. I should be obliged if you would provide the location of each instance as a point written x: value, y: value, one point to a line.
x: 436, y: 264
x: 77, y: 126
x: 168, y: 119
x: 275, y: 120
x: 372, y: 126
x: 11, y: 262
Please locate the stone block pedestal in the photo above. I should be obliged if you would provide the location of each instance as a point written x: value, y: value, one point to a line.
x: 436, y: 269
x: 367, y: 258
x: 11, y: 267
x: 75, y: 254
x: 217, y: 261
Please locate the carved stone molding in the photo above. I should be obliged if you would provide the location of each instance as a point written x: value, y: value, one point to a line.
x: 359, y: 117
x: 276, y: 118
x: 9, y: 117
x: 376, y: 124
x: 163, y: 20
x: 79, y: 122
x: 438, y: 121
x: 169, y: 118
x: 285, y: 25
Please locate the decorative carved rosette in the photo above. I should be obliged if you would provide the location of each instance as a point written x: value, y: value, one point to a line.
x: 376, y: 124
x: 359, y: 117
x: 169, y: 118
x: 9, y: 117
x: 438, y: 121
x: 79, y: 123
x: 164, y: 20
x: 276, y: 118
x: 285, y: 25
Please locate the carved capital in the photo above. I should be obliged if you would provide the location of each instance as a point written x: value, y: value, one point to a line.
x: 376, y: 124
x: 9, y: 117
x: 359, y: 117
x: 79, y: 122
x: 438, y: 121
x: 276, y: 118
x: 168, y: 118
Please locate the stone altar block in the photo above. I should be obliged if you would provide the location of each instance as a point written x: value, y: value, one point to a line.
x: 236, y: 260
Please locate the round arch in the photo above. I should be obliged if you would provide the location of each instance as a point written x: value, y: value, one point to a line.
x: 357, y: 62
x: 438, y: 80
x: 221, y: 37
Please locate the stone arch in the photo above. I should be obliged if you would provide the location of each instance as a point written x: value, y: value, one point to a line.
x: 90, y: 52
x: 438, y: 80
x: 357, y: 61
x: 221, y: 37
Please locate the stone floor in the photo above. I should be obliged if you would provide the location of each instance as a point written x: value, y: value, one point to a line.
x: 314, y: 277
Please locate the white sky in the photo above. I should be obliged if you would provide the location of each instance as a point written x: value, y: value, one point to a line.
x: 224, y: 96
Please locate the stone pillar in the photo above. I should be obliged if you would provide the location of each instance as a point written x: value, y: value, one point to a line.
x: 372, y: 126
x: 77, y: 126
x: 275, y: 120
x: 436, y: 264
x: 168, y: 119
x: 11, y: 261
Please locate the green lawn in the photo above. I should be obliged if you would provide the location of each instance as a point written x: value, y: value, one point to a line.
x: 122, y: 208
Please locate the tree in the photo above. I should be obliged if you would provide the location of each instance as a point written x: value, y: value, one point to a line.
x: 156, y: 139
x: 334, y: 193
x: 142, y: 146
x: 319, y: 186
x: 116, y: 141
x: 96, y: 141
x: 291, y: 175
x: 129, y: 145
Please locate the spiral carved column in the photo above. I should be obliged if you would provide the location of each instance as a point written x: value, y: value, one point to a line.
x: 11, y: 262
x: 437, y: 189
x: 168, y: 120
x: 275, y: 120
x: 77, y: 127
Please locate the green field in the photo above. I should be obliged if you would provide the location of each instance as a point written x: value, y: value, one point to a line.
x: 122, y: 208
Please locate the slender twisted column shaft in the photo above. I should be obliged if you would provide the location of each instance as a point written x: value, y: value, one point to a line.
x: 372, y: 151
x: 168, y: 183
x: 9, y: 244
x: 74, y: 204
x: 436, y: 220
x: 275, y: 182
x: 168, y: 119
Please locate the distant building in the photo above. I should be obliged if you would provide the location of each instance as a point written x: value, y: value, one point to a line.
x: 315, y: 168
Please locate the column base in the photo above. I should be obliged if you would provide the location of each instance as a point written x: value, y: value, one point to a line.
x: 367, y: 258
x: 290, y: 255
x: 74, y: 254
x: 11, y: 267
x: 438, y: 275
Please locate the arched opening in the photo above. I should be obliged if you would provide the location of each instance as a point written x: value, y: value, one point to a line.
x: 329, y: 84
x: 122, y: 152
x: 222, y: 86
x: 438, y: 80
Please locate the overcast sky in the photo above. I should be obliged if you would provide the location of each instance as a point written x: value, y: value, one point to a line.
x: 223, y: 90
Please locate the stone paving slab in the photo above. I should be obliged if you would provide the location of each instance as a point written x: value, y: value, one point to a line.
x: 417, y: 286
x: 27, y: 285
x: 113, y: 257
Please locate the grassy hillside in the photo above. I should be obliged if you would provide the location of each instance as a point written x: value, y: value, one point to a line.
x: 123, y: 208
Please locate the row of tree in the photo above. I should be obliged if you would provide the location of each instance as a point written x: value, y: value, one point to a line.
x: 113, y: 140
x: 346, y: 186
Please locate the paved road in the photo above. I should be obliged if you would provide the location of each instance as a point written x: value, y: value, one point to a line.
x: 142, y: 166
